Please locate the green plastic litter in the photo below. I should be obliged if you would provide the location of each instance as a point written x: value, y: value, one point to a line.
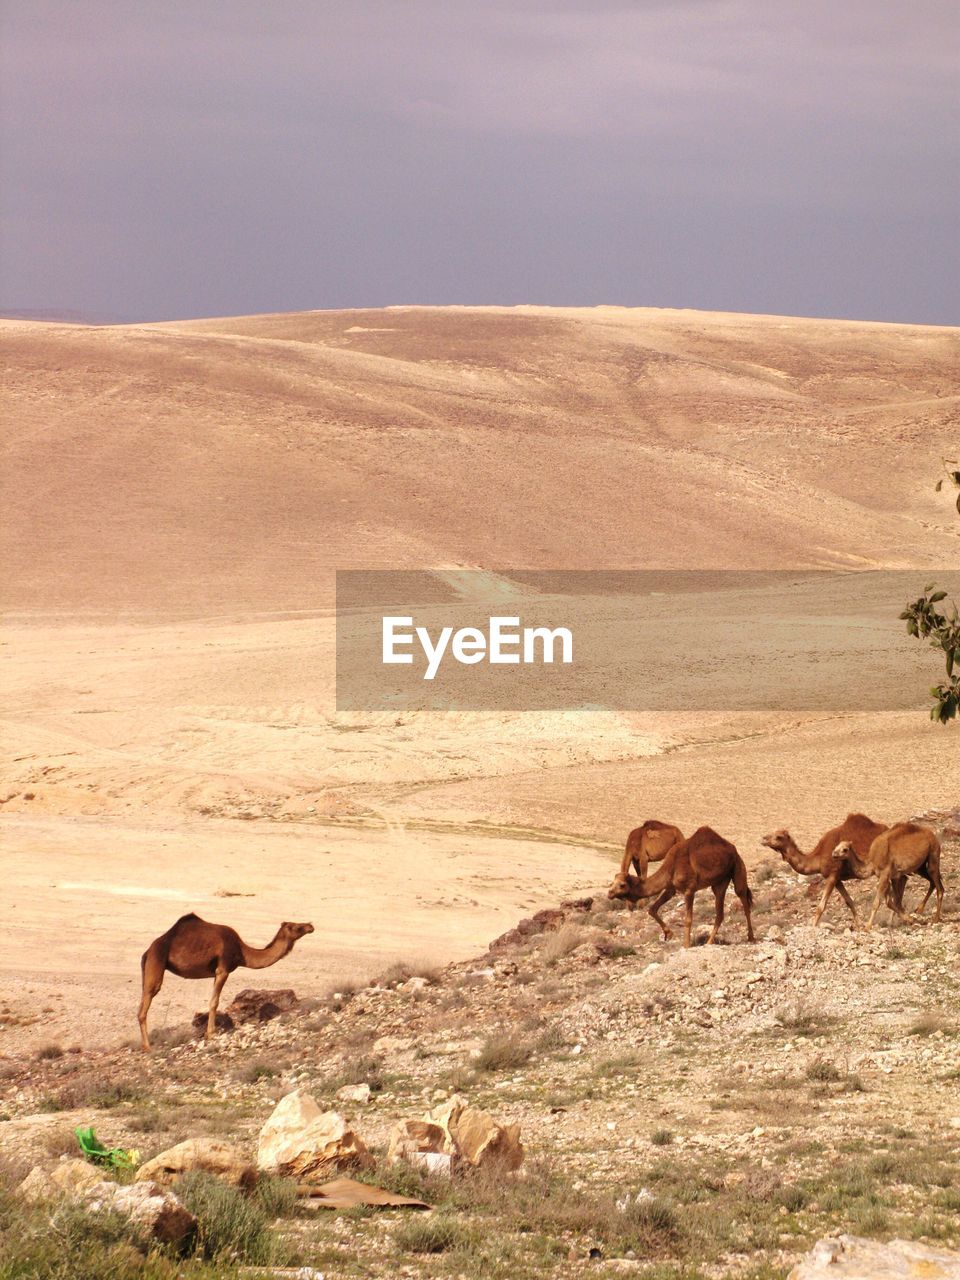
x: 93, y: 1149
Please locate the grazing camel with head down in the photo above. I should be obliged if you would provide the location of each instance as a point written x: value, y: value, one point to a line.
x: 860, y: 830
x: 906, y: 849
x: 650, y: 842
x: 194, y: 948
x: 705, y: 861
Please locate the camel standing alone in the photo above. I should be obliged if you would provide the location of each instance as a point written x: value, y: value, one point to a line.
x: 650, y: 842
x: 194, y: 948
x: 705, y: 861
x: 903, y: 850
x: 860, y: 830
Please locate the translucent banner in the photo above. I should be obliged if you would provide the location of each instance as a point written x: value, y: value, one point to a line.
x: 639, y: 640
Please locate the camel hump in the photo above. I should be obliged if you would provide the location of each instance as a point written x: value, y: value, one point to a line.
x: 189, y: 918
x: 913, y: 832
x: 704, y: 846
x: 860, y: 822
x: 706, y: 835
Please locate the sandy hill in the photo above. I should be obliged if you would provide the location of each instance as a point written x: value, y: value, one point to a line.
x: 232, y: 464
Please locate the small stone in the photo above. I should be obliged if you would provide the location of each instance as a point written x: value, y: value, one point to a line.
x: 354, y: 1093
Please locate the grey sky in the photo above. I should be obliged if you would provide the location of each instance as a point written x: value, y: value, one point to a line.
x: 214, y: 157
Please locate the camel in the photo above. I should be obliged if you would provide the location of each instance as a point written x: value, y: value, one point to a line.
x: 860, y: 830
x: 194, y: 948
x: 650, y: 842
x: 905, y: 849
x: 705, y: 861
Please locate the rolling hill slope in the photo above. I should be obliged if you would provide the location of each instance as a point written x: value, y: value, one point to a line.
x: 233, y: 464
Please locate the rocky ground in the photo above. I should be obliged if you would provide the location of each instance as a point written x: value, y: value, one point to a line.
x: 701, y: 1113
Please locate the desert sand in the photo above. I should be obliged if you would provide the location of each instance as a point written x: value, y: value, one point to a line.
x: 176, y: 500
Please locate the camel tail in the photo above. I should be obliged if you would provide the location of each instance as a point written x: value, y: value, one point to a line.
x: 740, y: 885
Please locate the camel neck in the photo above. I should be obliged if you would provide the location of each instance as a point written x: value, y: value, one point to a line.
x: 861, y: 869
x: 263, y: 957
x: 804, y: 863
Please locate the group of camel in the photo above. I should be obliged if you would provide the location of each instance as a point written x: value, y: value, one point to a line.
x: 855, y: 850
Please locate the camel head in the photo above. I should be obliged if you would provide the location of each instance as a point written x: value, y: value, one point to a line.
x: 843, y: 850
x: 625, y: 887
x: 779, y: 841
x: 293, y: 932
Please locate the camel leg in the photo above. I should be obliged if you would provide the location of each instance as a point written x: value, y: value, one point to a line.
x: 934, y: 867
x: 688, y: 917
x: 926, y: 897
x: 719, y: 893
x: 654, y: 910
x: 828, y: 887
x: 640, y: 865
x: 221, y: 976
x: 153, y: 972
x: 895, y: 892
x: 882, y: 886
x: 842, y: 890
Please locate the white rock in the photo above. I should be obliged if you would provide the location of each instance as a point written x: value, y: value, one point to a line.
x: 853, y: 1258
x: 354, y: 1093
x: 299, y: 1140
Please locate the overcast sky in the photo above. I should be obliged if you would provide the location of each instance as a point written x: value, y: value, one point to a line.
x: 213, y: 157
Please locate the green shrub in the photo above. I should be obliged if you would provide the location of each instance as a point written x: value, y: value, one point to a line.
x: 258, y: 1069
x: 277, y: 1197
x: 432, y: 1235
x: 64, y: 1241
x: 230, y: 1225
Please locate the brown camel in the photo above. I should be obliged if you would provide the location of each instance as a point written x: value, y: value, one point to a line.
x: 903, y: 850
x: 194, y: 948
x: 705, y: 861
x: 860, y: 830
x: 650, y: 842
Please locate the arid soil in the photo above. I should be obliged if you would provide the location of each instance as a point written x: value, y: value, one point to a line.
x: 754, y: 1097
x: 176, y: 499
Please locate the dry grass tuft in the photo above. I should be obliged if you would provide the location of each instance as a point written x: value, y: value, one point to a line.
x: 562, y: 943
